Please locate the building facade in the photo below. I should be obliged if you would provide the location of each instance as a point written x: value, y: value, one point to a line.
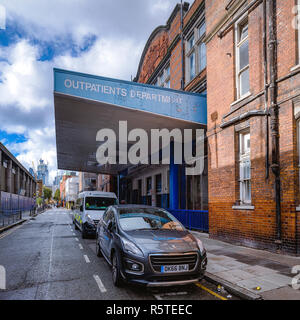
x: 63, y: 184
x: 174, y: 57
x: 245, y: 56
x: 42, y: 172
x: 87, y: 181
x: 17, y: 185
x: 107, y: 183
x: 253, y: 90
x: 71, y: 191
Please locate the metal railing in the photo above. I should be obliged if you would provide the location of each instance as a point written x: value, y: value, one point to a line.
x: 192, y: 219
x: 8, y: 217
x: 13, y: 206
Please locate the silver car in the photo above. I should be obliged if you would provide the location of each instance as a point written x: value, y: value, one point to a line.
x: 148, y: 246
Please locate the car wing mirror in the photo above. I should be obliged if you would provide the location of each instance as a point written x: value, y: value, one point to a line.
x: 110, y: 225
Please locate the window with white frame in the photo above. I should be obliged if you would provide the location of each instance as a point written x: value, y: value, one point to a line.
x: 163, y: 79
x: 242, y: 59
x: 195, y: 51
x: 245, y: 167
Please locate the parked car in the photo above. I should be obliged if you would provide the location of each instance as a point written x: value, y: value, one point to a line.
x: 147, y: 245
x: 89, y: 209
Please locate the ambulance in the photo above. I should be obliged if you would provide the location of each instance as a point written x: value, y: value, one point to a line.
x: 89, y: 209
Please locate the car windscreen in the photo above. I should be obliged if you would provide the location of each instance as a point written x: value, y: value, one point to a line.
x: 99, y: 203
x: 147, y: 219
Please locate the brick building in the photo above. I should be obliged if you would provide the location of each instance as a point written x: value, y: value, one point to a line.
x: 106, y: 183
x: 17, y: 185
x: 165, y: 62
x: 253, y: 90
x: 252, y: 80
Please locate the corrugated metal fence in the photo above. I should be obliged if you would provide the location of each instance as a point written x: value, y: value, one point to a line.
x: 192, y: 219
x: 12, y: 206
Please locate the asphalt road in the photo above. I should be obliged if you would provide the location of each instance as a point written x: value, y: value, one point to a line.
x: 46, y: 259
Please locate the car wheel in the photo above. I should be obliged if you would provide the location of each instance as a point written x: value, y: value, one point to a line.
x: 98, y: 249
x: 83, y: 233
x: 116, y: 274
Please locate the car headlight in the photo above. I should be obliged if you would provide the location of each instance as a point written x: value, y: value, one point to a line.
x: 131, y: 247
x: 200, y: 246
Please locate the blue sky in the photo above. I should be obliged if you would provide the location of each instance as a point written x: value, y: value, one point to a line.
x: 93, y: 36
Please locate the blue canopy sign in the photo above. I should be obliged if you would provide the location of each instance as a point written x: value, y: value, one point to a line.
x: 166, y: 102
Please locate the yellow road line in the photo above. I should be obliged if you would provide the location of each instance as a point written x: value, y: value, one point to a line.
x: 210, y: 291
x: 6, y: 233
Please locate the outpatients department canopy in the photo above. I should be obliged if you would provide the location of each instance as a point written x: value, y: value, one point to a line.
x: 84, y: 104
x: 162, y: 101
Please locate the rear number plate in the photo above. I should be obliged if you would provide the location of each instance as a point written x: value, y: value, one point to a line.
x: 175, y: 268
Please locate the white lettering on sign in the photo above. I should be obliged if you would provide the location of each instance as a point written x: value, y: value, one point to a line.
x: 123, y: 92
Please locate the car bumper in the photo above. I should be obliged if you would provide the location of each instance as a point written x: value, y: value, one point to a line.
x: 166, y: 282
x: 89, y: 229
x: 149, y: 278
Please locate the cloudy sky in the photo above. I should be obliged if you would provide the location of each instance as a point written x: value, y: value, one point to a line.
x: 102, y: 37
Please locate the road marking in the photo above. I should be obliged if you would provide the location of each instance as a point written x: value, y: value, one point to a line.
x: 6, y: 233
x: 86, y: 258
x: 80, y: 246
x: 175, y: 293
x: 100, y: 284
x: 76, y: 239
x: 50, y: 259
x: 160, y: 296
x: 210, y: 291
x: 13, y: 229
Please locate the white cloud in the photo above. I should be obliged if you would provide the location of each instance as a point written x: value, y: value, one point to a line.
x: 26, y: 83
x: 26, y: 90
x: 115, y: 58
x: 82, y: 17
x: 160, y: 6
x: 21, y: 77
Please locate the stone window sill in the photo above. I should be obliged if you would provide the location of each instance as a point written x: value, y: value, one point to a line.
x: 240, y: 99
x: 243, y: 207
x: 296, y: 67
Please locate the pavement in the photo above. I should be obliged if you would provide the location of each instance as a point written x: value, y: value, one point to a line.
x: 45, y: 258
x: 250, y: 273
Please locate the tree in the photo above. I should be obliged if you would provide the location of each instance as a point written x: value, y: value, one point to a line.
x: 57, y: 195
x: 39, y: 201
x: 47, y: 193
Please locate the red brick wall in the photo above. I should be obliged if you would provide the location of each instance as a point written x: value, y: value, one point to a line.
x: 255, y: 228
x: 156, y: 51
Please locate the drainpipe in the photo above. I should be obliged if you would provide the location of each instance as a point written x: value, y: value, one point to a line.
x: 274, y: 115
x: 265, y: 57
x: 182, y: 46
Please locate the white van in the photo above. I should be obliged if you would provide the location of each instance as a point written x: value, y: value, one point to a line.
x: 89, y: 209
